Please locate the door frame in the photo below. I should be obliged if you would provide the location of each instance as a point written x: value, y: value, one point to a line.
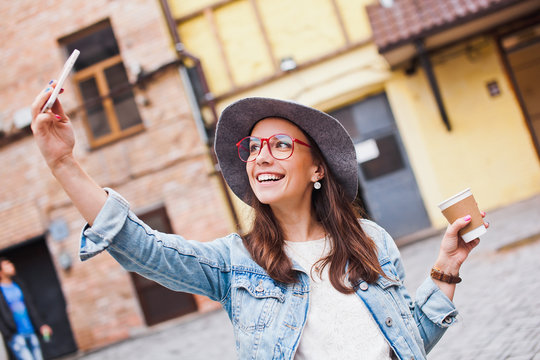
x: 33, y: 241
x: 514, y: 27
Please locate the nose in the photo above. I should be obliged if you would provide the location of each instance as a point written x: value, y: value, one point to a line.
x: 264, y: 155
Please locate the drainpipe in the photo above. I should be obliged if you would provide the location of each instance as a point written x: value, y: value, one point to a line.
x: 195, y: 104
x: 428, y: 69
x: 209, y: 99
x: 192, y: 99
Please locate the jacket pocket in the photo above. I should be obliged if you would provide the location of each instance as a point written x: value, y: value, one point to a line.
x: 395, y: 290
x: 391, y: 273
x: 255, y: 301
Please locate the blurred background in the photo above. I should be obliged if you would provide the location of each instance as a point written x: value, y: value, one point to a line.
x: 438, y: 96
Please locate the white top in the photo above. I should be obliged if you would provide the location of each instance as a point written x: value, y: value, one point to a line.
x: 338, y: 326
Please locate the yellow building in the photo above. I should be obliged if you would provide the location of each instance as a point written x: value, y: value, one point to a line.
x: 437, y: 98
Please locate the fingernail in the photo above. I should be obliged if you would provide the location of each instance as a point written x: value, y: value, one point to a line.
x: 484, y: 213
x: 47, y: 89
x: 61, y: 90
x: 467, y: 218
x: 58, y: 116
x: 50, y: 82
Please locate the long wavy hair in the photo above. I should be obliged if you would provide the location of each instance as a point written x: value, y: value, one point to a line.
x: 353, y: 254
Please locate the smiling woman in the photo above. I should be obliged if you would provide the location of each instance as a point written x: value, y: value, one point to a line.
x: 291, y: 177
x: 292, y: 285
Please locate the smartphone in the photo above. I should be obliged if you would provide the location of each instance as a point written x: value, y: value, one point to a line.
x: 63, y: 76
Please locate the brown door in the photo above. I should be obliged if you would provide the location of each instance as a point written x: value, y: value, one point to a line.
x: 157, y: 302
x: 522, y: 54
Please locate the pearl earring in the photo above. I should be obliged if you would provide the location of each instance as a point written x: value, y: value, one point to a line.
x: 317, y: 185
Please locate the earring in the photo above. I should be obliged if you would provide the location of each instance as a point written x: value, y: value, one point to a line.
x: 317, y: 185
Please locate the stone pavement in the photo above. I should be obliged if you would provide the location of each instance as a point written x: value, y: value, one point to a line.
x: 498, y: 300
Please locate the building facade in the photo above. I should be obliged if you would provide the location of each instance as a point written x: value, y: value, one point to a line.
x: 135, y: 132
x: 466, y: 69
x: 353, y: 60
x: 453, y: 110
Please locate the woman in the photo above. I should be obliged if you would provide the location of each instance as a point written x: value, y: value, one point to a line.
x: 310, y: 280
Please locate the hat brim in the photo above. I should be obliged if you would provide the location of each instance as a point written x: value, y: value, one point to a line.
x: 237, y: 120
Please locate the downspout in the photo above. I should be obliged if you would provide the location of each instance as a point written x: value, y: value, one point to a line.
x: 426, y: 65
x: 209, y: 101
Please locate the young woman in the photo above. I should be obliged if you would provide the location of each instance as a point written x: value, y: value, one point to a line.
x: 311, y: 280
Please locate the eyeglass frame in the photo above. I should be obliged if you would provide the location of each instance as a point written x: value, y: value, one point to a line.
x: 269, y: 148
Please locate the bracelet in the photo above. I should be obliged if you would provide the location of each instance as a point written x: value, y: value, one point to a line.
x: 437, y: 274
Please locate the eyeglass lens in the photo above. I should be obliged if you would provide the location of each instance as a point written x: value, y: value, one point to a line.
x: 281, y: 147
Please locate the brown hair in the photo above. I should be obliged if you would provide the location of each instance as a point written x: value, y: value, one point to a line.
x: 353, y: 254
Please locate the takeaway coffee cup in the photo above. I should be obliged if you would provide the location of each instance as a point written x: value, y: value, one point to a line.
x: 460, y: 205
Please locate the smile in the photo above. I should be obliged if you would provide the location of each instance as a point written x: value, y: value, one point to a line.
x: 269, y: 177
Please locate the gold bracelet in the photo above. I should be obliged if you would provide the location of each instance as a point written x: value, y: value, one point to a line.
x: 437, y: 274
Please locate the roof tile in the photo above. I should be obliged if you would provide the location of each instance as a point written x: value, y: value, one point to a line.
x: 406, y: 20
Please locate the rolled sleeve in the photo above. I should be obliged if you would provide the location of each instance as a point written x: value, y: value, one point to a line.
x: 435, y: 304
x: 106, y: 226
x: 182, y: 265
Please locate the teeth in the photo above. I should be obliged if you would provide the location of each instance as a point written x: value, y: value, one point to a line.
x: 269, y: 177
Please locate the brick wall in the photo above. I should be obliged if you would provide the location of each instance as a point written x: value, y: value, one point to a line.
x: 165, y: 164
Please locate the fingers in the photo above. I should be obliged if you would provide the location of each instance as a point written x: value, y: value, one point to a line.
x: 42, y: 98
x: 486, y: 224
x: 457, y: 225
x: 55, y: 114
x: 59, y: 110
x: 57, y: 106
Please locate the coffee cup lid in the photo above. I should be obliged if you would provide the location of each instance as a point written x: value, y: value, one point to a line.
x: 455, y: 199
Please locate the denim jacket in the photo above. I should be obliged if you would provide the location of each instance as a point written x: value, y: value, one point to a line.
x: 267, y: 316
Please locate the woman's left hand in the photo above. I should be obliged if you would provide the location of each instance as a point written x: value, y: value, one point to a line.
x: 454, y: 250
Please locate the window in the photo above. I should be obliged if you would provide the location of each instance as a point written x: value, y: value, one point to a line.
x: 388, y: 161
x: 111, y: 111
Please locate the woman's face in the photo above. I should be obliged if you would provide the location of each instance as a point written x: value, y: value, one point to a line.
x: 286, y: 182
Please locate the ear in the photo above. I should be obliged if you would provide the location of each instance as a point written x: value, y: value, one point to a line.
x: 318, y: 174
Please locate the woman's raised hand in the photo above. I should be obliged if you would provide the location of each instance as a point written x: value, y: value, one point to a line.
x: 55, y: 139
x: 52, y: 130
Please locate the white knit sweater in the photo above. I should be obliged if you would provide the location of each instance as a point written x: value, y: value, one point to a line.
x: 338, y: 326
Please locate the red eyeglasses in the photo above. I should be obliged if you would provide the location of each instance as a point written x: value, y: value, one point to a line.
x: 281, y: 147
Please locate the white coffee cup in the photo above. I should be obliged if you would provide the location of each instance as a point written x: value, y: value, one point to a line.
x: 461, y: 205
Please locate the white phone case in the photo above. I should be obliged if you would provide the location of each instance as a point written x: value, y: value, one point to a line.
x: 63, y: 76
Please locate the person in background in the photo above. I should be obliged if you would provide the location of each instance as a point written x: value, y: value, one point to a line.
x: 19, y: 317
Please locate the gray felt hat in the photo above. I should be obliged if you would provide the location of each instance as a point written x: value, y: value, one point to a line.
x: 237, y: 120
